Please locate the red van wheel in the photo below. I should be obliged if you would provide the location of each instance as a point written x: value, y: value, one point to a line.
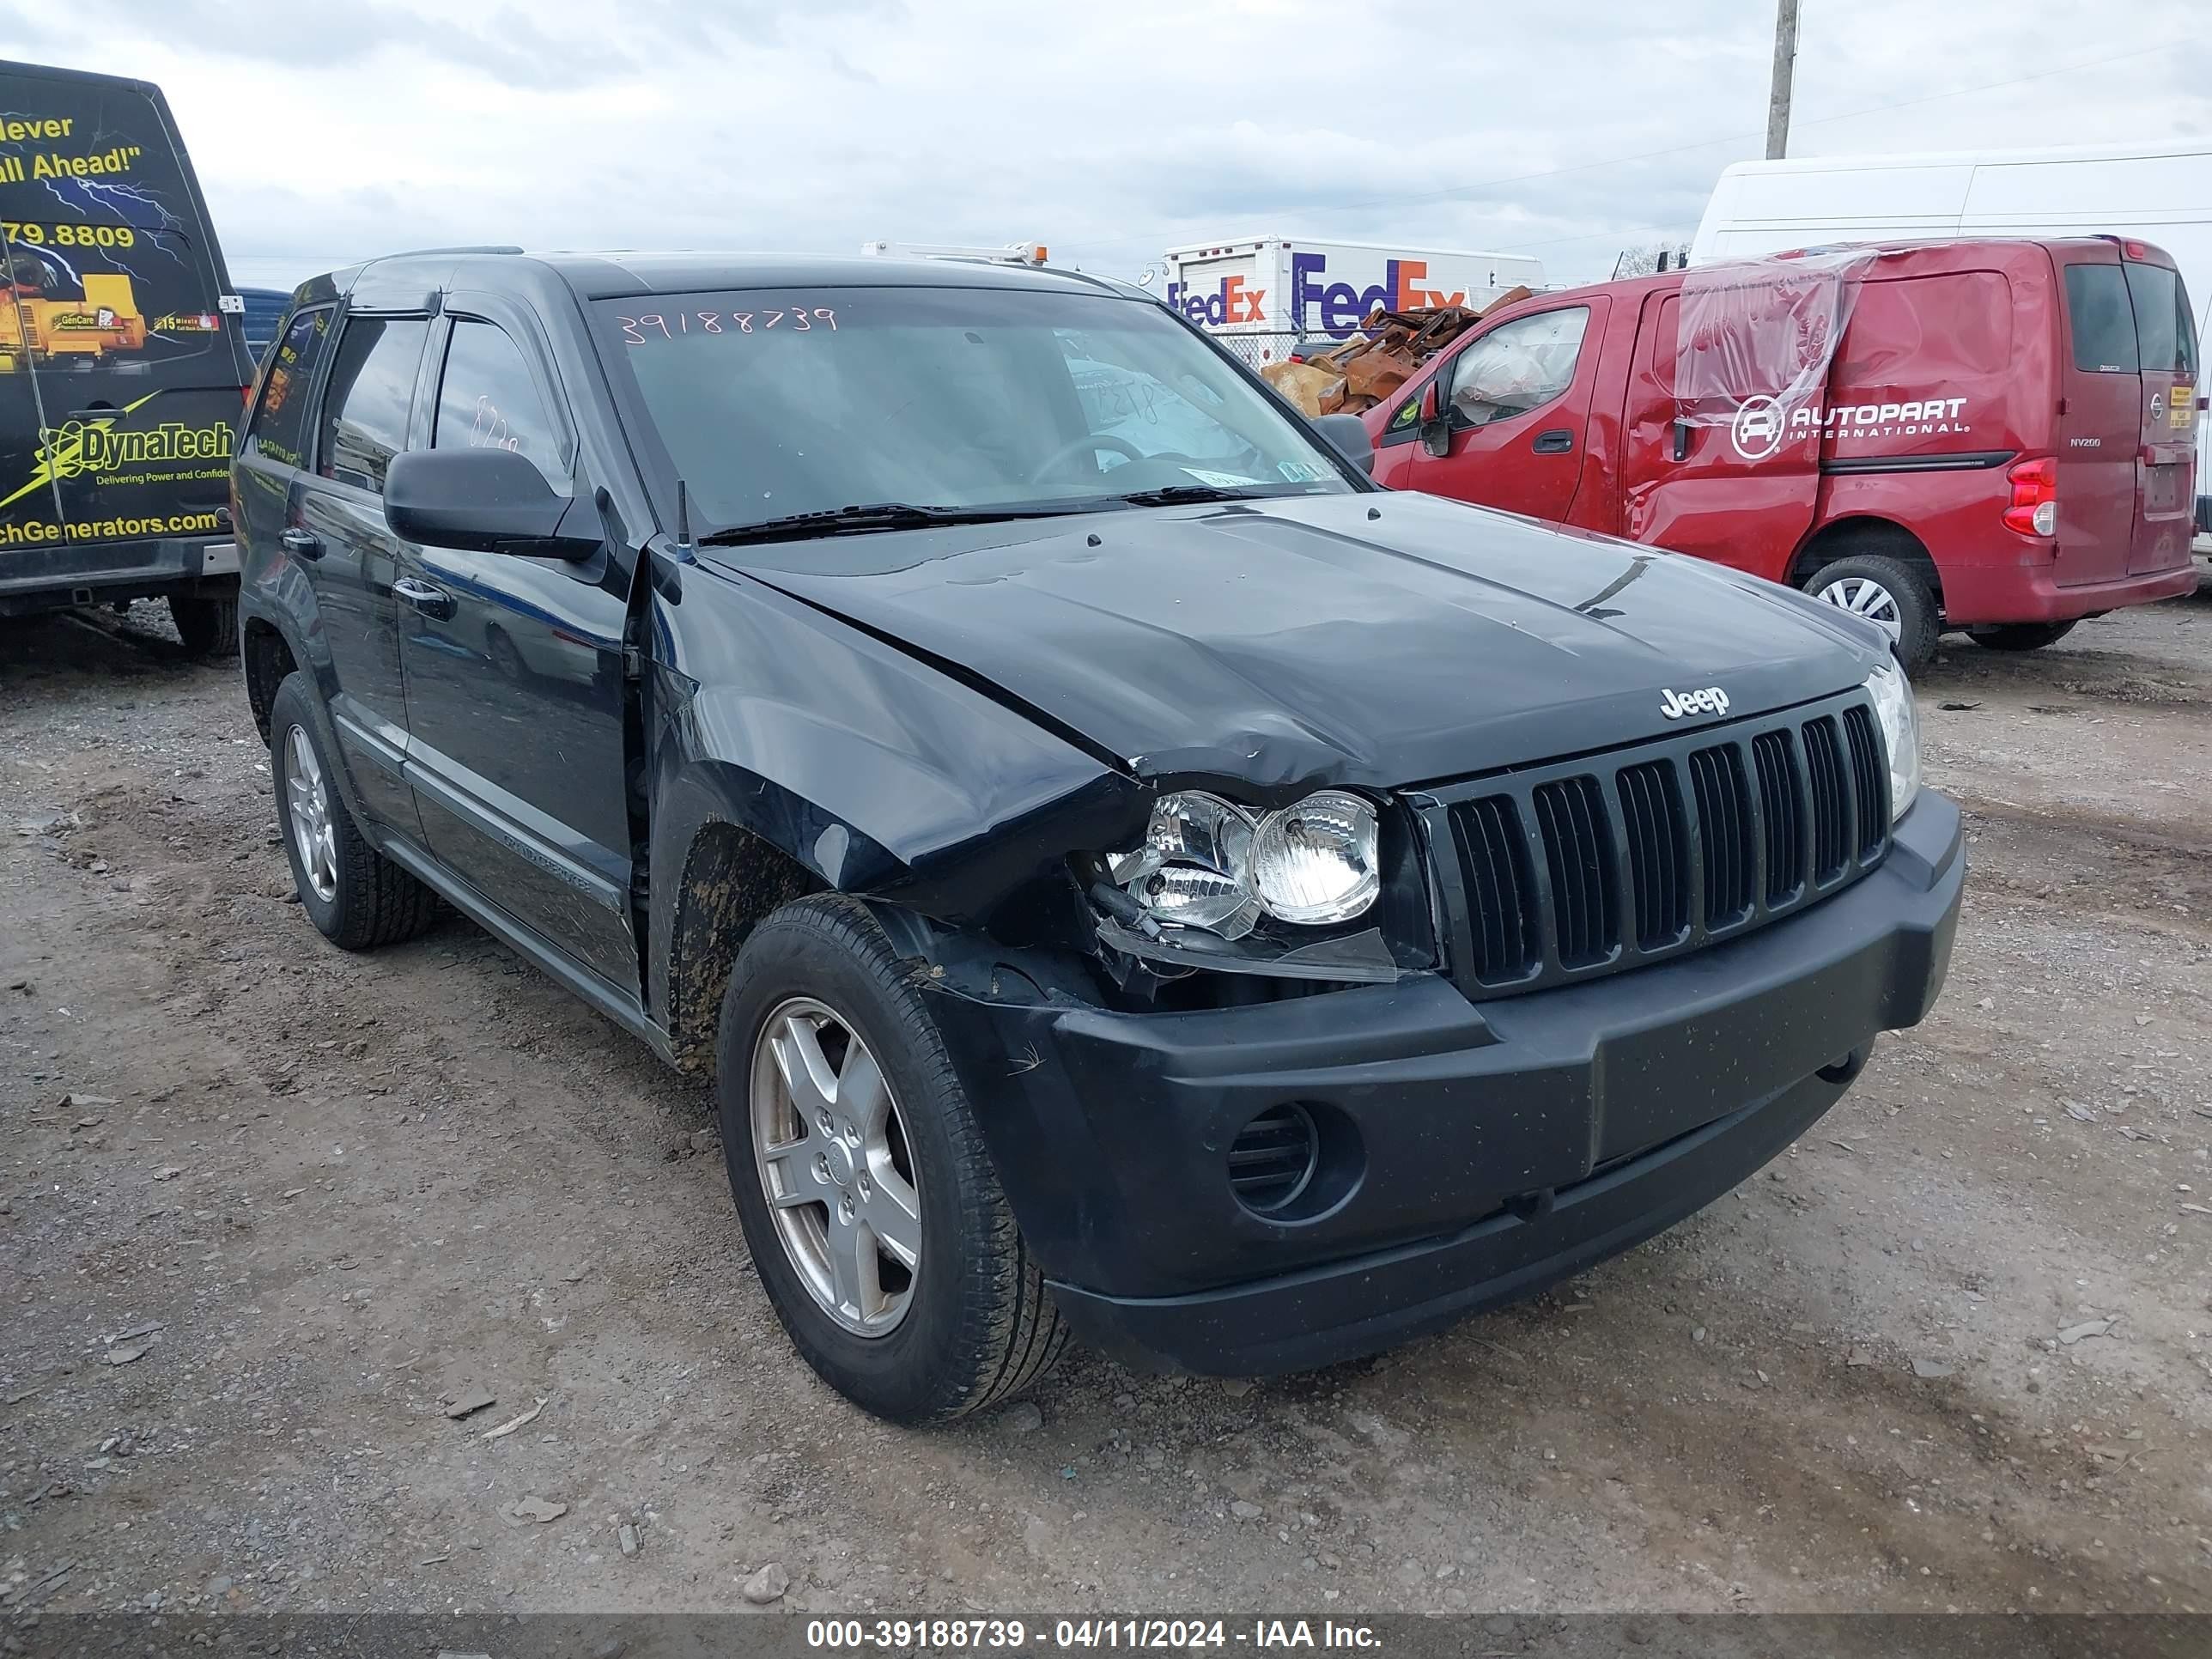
x: 1889, y: 594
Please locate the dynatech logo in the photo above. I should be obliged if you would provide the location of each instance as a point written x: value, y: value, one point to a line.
x: 1709, y: 701
x: 99, y: 446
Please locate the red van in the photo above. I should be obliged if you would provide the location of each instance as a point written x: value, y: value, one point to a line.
x: 2002, y: 441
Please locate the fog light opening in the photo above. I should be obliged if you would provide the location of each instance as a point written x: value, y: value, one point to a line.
x: 1272, y: 1161
x: 1296, y: 1161
x: 1846, y: 1069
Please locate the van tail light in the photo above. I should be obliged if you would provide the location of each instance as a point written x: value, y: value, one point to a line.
x: 245, y: 397
x: 2034, y: 508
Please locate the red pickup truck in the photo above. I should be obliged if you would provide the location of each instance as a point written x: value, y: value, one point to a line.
x: 2001, y: 440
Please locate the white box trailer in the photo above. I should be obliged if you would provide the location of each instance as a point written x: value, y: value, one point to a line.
x: 1292, y: 286
x: 2160, y: 193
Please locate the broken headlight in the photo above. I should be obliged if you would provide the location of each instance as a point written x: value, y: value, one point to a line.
x: 1208, y: 863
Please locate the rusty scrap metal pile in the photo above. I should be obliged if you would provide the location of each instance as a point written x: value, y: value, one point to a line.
x: 1389, y: 348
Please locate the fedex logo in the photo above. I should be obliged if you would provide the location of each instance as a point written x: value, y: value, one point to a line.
x: 1229, y: 303
x: 1342, y: 307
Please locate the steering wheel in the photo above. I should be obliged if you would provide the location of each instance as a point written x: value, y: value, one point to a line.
x: 1087, y: 444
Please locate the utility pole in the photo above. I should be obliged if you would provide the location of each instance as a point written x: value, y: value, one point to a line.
x: 1785, y: 60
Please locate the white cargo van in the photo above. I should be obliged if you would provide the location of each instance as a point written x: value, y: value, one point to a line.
x: 2160, y: 193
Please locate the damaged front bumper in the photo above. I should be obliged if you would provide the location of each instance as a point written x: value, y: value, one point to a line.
x: 1461, y: 1155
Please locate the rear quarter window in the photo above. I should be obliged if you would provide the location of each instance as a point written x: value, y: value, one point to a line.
x: 279, y: 426
x: 2102, y: 320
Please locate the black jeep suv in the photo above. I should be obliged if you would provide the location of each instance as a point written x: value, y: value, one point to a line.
x: 1124, y: 872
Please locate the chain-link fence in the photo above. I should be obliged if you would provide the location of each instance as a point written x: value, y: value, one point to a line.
x: 1258, y: 348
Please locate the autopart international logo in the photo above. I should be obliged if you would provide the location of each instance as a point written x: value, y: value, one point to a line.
x: 1757, y: 429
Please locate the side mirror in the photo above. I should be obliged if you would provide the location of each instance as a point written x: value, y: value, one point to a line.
x: 1347, y: 435
x: 483, y: 500
x: 1436, y: 429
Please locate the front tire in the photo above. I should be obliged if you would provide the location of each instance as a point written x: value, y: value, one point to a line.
x: 2018, y: 636
x: 875, y: 1219
x: 1887, y: 592
x: 357, y: 897
x: 207, y: 623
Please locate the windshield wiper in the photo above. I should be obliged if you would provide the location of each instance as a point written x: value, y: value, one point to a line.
x: 867, y: 516
x: 1189, y: 495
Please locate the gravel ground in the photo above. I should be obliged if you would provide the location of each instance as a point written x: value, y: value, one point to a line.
x: 267, y: 1210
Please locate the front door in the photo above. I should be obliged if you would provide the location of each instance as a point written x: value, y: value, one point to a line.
x: 1518, y: 400
x: 335, y: 527
x: 514, y: 680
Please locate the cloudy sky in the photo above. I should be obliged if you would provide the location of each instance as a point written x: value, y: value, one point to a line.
x: 325, y: 130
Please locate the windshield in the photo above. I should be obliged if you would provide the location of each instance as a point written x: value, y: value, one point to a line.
x: 772, y: 404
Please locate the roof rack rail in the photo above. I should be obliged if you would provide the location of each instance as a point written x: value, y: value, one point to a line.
x: 471, y: 247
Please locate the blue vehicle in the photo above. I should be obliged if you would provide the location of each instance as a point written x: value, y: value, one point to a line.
x: 264, y: 309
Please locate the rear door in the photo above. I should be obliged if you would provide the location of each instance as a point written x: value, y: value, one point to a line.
x: 1736, y: 482
x: 1518, y: 399
x: 119, y: 293
x: 335, y: 527
x: 2166, y: 340
x: 514, y: 673
x: 2101, y: 420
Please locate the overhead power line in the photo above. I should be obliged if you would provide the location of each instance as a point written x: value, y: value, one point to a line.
x: 1402, y: 198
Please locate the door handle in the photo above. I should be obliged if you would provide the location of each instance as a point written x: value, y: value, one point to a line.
x: 1558, y: 441
x: 1682, y: 441
x: 302, y: 544
x: 432, y: 602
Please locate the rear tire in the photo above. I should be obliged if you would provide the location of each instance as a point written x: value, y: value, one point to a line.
x: 353, y: 895
x: 971, y: 1323
x: 207, y: 624
x: 1885, y: 591
x: 2020, y: 636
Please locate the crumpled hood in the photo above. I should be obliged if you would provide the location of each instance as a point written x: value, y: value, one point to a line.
x: 1371, y: 640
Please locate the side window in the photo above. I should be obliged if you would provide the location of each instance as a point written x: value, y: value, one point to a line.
x: 279, y: 427
x: 1518, y: 367
x: 2104, y: 322
x: 486, y: 400
x: 372, y: 388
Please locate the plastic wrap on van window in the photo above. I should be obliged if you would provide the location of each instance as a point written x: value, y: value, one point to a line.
x: 1760, y: 334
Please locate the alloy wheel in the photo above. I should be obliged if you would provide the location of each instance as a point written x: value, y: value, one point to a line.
x: 1864, y: 597
x: 836, y: 1166
x: 314, y: 836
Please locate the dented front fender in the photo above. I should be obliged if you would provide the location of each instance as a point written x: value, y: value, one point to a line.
x: 872, y: 770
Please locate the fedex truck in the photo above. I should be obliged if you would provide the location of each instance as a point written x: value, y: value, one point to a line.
x: 1293, y: 287
x: 2158, y: 194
